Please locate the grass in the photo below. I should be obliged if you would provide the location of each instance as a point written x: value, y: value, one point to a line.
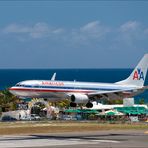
x: 52, y: 127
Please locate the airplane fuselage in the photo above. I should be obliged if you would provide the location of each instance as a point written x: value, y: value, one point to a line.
x: 59, y: 90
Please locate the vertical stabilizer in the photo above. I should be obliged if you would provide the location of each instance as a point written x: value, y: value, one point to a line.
x: 138, y: 75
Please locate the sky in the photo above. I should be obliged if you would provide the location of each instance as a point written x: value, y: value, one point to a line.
x: 72, y: 34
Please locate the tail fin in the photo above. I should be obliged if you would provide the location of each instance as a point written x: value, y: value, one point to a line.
x: 138, y: 76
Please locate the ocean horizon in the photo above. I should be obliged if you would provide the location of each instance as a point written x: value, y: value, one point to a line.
x: 9, y: 77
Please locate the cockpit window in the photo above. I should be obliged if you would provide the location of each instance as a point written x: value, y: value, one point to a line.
x: 25, y: 85
x: 18, y: 84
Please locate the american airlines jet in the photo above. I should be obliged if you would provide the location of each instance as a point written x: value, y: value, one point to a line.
x: 84, y: 92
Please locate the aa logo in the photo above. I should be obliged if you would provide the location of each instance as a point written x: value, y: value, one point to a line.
x: 138, y: 74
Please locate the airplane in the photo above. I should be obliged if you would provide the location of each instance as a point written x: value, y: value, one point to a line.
x: 84, y: 92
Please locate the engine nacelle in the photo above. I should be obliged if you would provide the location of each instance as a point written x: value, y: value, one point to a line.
x: 79, y: 98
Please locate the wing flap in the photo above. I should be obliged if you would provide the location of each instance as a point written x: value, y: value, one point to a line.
x: 110, y: 94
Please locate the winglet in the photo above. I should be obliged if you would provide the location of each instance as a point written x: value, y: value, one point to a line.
x: 53, y: 77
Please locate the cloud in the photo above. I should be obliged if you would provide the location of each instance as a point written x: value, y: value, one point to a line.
x: 91, y: 27
x: 92, y: 33
x: 15, y: 28
x: 129, y: 26
x: 94, y: 29
x: 38, y: 30
x: 129, y: 33
x: 58, y: 31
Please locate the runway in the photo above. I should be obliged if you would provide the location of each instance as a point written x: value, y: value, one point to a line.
x: 102, y: 139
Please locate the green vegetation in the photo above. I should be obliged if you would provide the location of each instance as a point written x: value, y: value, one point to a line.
x: 62, y: 104
x: 141, y: 101
x: 111, y: 101
x: 8, y: 102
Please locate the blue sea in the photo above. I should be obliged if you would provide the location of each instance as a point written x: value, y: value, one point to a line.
x: 9, y: 77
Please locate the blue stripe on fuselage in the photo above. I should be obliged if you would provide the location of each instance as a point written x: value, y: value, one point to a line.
x: 66, y: 87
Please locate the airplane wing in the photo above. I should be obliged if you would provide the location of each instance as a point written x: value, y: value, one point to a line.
x: 106, y: 94
x: 114, y: 94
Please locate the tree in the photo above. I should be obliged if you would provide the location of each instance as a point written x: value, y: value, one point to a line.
x: 64, y: 103
x: 141, y: 101
x: 112, y: 101
x: 8, y: 101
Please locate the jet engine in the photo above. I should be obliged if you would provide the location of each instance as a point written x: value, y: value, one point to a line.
x: 79, y: 98
x: 89, y: 105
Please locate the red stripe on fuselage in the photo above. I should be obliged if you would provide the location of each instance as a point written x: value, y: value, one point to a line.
x: 49, y: 90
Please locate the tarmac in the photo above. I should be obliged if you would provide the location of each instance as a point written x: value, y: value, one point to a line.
x: 99, y: 139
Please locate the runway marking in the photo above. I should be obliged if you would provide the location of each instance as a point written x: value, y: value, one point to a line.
x: 29, y: 141
x: 109, y: 141
x: 105, y: 141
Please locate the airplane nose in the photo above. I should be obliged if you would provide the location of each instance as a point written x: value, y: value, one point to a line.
x: 11, y: 90
x: 14, y: 90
